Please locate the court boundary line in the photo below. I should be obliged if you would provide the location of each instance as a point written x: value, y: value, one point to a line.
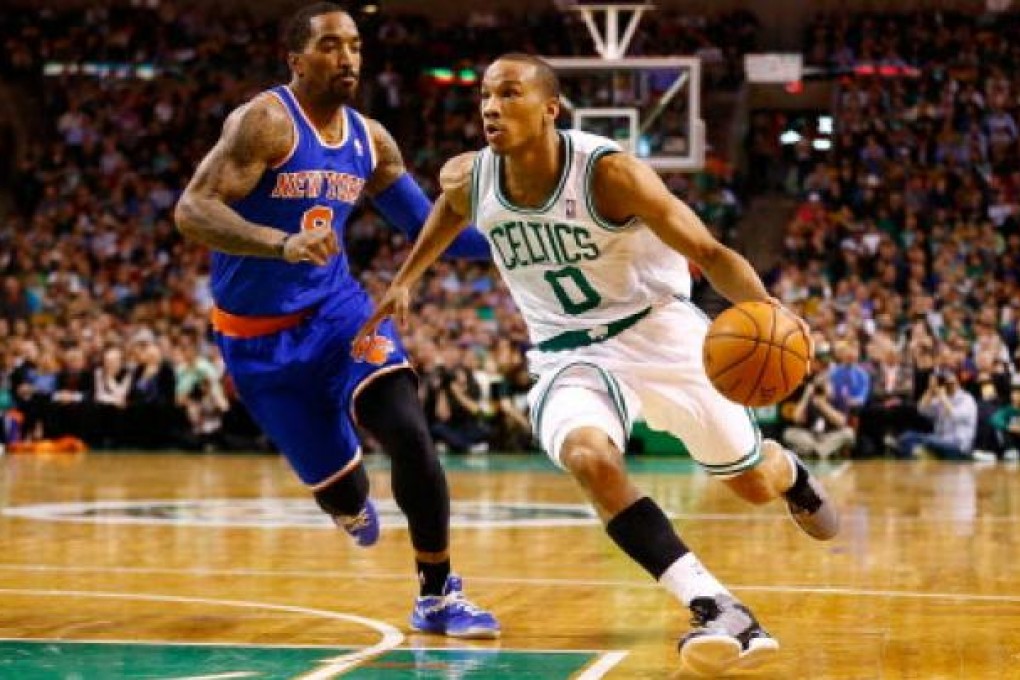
x: 602, y: 665
x: 604, y: 661
x: 835, y: 591
x: 299, y: 647
x: 391, y: 637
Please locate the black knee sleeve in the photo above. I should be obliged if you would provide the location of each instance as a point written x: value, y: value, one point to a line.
x: 389, y: 409
x: 345, y: 496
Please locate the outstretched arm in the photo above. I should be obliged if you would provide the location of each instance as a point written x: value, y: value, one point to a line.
x: 621, y: 174
x: 402, y: 202
x: 447, y: 219
x: 674, y: 222
x: 255, y: 136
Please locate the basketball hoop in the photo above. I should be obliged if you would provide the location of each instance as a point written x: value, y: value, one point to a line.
x: 609, y: 45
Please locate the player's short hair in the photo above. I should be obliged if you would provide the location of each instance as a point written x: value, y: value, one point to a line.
x: 299, y: 28
x: 544, y: 73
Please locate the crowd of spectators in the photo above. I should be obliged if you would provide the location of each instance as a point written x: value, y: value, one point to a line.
x: 103, y: 307
x: 904, y: 255
x: 905, y: 252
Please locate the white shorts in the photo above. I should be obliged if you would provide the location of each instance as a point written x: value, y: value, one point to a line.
x: 653, y: 370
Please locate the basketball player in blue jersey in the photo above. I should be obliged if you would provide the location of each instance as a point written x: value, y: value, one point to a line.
x: 271, y: 199
x: 594, y: 249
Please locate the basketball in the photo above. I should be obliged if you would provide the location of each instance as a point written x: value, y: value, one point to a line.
x: 756, y: 353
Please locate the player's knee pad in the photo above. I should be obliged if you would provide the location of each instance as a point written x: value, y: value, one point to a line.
x: 346, y: 495
x: 389, y: 409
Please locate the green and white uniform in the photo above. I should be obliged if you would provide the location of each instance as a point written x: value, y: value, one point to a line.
x: 607, y: 308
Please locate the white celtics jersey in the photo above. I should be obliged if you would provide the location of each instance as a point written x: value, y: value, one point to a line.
x: 567, y: 267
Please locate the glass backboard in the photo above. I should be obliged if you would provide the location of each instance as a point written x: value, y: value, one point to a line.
x: 650, y: 105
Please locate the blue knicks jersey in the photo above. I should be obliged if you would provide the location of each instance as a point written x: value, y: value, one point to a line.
x: 317, y: 183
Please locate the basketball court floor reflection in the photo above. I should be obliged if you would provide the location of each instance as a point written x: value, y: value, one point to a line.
x: 167, y: 566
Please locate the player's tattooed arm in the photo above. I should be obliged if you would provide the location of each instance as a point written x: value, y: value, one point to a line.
x: 389, y: 164
x: 255, y: 137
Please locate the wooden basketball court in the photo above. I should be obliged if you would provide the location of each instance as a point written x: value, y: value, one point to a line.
x: 173, y: 566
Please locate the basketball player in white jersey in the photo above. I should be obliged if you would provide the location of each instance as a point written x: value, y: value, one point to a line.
x: 594, y: 250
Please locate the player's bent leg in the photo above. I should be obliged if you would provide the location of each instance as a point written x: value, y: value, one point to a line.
x: 345, y: 499
x: 592, y: 458
x: 579, y: 433
x: 320, y: 443
x: 388, y: 407
x: 767, y: 480
x: 726, y: 635
x: 781, y: 473
x: 725, y: 440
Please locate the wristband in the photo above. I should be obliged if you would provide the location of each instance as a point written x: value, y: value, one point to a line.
x: 281, y: 247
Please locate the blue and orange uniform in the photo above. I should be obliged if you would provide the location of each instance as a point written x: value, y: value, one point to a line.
x: 285, y: 330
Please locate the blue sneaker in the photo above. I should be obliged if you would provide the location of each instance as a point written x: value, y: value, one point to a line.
x: 363, y: 527
x: 452, y: 614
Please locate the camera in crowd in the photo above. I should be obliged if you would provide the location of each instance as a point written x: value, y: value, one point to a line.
x: 941, y: 377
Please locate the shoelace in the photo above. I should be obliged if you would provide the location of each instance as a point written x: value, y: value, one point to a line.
x: 454, y: 602
x: 359, y: 521
x: 460, y: 603
x: 702, y: 613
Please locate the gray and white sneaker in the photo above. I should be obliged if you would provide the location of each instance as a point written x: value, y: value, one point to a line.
x: 810, y: 507
x: 726, y: 636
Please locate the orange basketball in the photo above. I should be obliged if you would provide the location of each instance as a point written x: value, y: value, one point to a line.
x: 756, y: 354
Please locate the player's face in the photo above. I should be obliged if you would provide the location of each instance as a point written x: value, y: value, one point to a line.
x: 515, y: 107
x: 331, y: 61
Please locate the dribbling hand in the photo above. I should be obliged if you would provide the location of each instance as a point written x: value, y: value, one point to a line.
x: 803, y: 326
x: 396, y: 303
x: 317, y: 246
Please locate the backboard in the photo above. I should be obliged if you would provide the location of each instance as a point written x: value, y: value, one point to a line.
x: 650, y: 105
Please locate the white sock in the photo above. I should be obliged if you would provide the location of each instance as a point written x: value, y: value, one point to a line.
x: 687, y: 579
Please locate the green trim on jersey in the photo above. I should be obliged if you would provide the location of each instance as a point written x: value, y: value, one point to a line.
x: 747, y: 462
x: 589, y: 198
x: 589, y: 336
x: 475, y: 180
x: 612, y: 387
x: 555, y: 196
